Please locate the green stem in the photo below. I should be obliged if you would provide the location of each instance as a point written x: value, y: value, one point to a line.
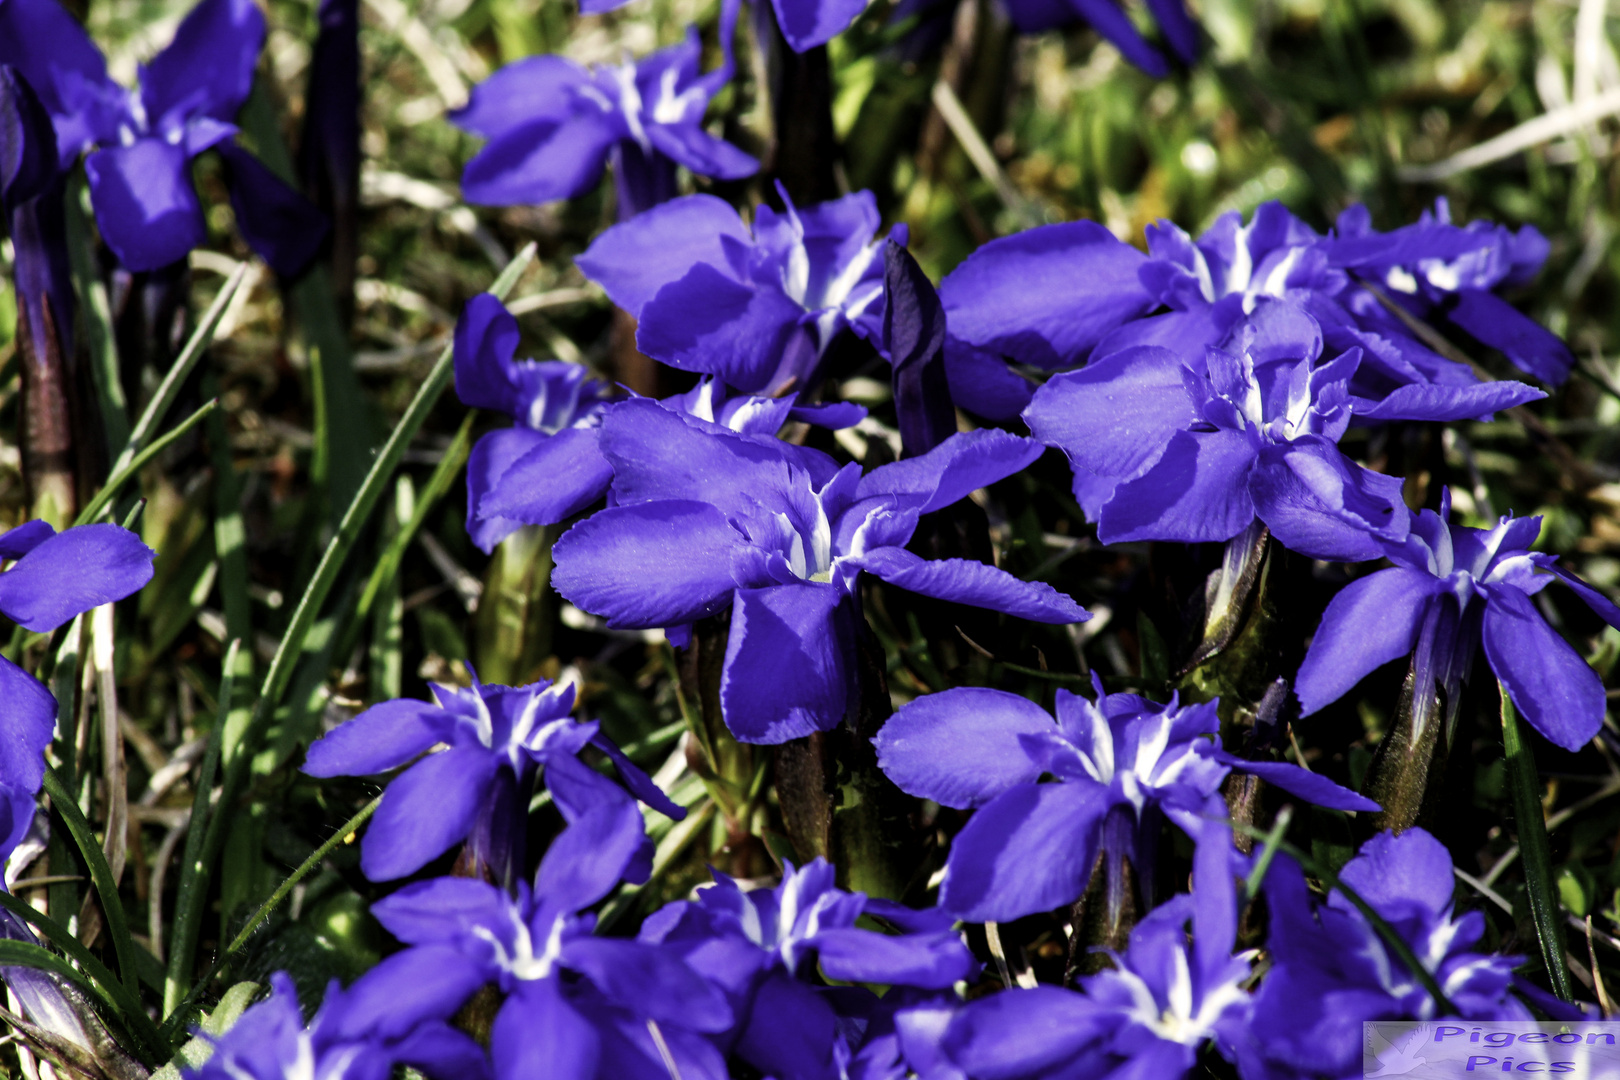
x: 344, y: 833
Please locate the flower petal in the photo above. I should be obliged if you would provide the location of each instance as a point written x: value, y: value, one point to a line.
x: 1023, y: 1033
x: 540, y: 162
x: 442, y: 910
x: 560, y: 476
x: 1431, y: 401
x: 1045, y: 296
x: 982, y: 383
x: 145, y: 205
x: 27, y: 724
x: 649, y: 565
x: 72, y: 572
x: 1301, y: 783
x: 428, y: 983
x: 208, y: 68
x: 1115, y: 415
x: 491, y: 456
x: 589, y: 857
x: 1558, y: 693
x: 1198, y: 490
x: 946, y: 474
x: 961, y: 747
x: 1029, y: 849
x: 708, y: 321
x: 788, y: 669
x: 1372, y: 621
x: 538, y: 1033
x: 1495, y: 322
x: 967, y: 582
x: 928, y: 961
x: 426, y: 809
x: 283, y: 227
x: 636, y: 258
x: 807, y: 25
x: 17, y: 542
x: 66, y: 70
x: 536, y: 88
x: 689, y: 145
x: 1319, y: 503
x: 383, y: 737
x: 653, y: 981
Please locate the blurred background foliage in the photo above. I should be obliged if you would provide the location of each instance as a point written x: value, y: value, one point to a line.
x: 1317, y: 103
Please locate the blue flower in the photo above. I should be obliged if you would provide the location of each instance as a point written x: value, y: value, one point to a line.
x: 1331, y: 971
x: 1163, y: 1000
x: 705, y: 520
x: 1451, y: 589
x: 55, y: 577
x: 549, y: 466
x: 552, y: 125
x: 1166, y: 448
x: 270, y: 1042
x: 764, y: 947
x: 1437, y: 268
x: 576, y: 1005
x: 141, y: 144
x: 757, y: 308
x: 477, y: 789
x: 1118, y: 763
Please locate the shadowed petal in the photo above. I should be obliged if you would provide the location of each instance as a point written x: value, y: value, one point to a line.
x: 636, y: 258
x: 648, y: 565
x: 708, y: 321
x: 1045, y: 296
x: 1029, y: 849
x: 689, y: 145
x: 1549, y: 682
x: 787, y: 670
x: 967, y: 582
x: 807, y: 25
x: 1197, y: 491
x: 1429, y: 401
x: 383, y: 737
x: 208, y: 68
x: 983, y: 384
x: 15, y: 543
x: 72, y: 572
x: 961, y: 747
x: 486, y: 339
x: 145, y: 205
x: 1302, y: 783
x: 559, y: 477
x: 282, y: 226
x: 1369, y: 623
x: 1601, y: 605
x: 425, y: 810
x: 1497, y: 323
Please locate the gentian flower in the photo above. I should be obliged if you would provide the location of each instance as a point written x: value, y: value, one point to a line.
x: 576, y: 1006
x: 1119, y: 764
x: 548, y: 466
x: 270, y: 1042
x: 1331, y: 970
x: 764, y: 946
x: 1453, y: 588
x: 1148, y: 1016
x: 1438, y: 268
x: 705, y: 520
x: 1055, y: 295
x: 55, y: 577
x: 757, y: 308
x: 141, y: 144
x: 552, y: 125
x: 477, y: 790
x: 1169, y: 449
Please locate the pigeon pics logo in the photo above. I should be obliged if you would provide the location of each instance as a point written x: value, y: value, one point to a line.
x: 1586, y: 1050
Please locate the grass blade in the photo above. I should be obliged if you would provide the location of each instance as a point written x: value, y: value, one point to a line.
x: 121, y: 476
x: 101, y: 874
x: 1524, y: 784
x: 344, y: 832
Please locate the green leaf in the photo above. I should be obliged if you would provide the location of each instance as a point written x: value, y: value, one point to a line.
x: 101, y: 874
x: 195, y: 1053
x: 1524, y: 784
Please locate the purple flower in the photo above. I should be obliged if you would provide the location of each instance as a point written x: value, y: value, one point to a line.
x: 477, y: 789
x: 552, y: 125
x: 270, y: 1042
x: 1118, y: 763
x: 1148, y: 1016
x: 705, y: 520
x: 1451, y: 589
x: 549, y: 466
x: 1166, y: 448
x: 764, y: 947
x: 141, y: 144
x: 31, y: 207
x: 1437, y: 268
x: 1331, y: 971
x: 756, y: 308
x: 576, y: 1006
x: 55, y: 577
